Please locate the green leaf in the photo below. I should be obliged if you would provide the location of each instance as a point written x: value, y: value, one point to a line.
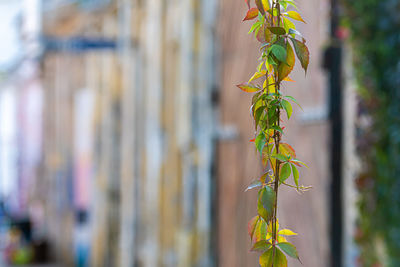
x: 248, y: 87
x: 285, y: 172
x: 279, y: 52
x: 277, y: 128
x: 260, y: 141
x: 289, y: 249
x: 294, y: 100
x: 258, y: 114
x: 266, y: 200
x: 261, y: 246
x: 254, y: 184
x: 267, y: 259
x: 255, y: 26
x: 251, y: 226
x: 277, y: 30
x: 280, y: 259
x: 295, y: 175
x: 279, y: 157
x: 288, y: 108
x: 302, y: 53
x: 288, y: 2
x: 285, y: 69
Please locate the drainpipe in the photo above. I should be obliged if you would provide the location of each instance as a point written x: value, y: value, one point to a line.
x: 333, y: 64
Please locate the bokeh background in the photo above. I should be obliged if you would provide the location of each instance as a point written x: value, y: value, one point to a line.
x: 124, y: 141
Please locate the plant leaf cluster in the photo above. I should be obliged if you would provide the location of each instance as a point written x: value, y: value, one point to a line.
x: 280, y: 44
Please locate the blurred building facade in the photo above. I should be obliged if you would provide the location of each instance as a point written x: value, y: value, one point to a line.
x: 140, y: 140
x: 129, y: 126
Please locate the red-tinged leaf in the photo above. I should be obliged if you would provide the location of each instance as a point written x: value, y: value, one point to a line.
x: 261, y: 246
x: 248, y: 87
x: 263, y: 36
x: 248, y: 3
x: 298, y: 162
x: 260, y: 7
x: 251, y: 226
x: 302, y: 53
x: 260, y: 232
x: 252, y: 140
x: 294, y: 15
x: 251, y: 14
x: 287, y: 150
x: 286, y: 68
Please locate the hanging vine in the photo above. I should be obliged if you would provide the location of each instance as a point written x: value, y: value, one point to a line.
x: 280, y: 41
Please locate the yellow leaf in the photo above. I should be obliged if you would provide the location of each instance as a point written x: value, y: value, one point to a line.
x: 258, y: 75
x: 287, y: 24
x: 288, y: 79
x: 295, y: 15
x: 281, y: 239
x: 285, y: 68
x: 266, y: 4
x: 287, y: 232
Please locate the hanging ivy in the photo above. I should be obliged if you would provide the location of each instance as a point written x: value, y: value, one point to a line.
x: 280, y: 43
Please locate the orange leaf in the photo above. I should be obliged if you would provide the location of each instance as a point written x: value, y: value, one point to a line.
x: 251, y: 14
x: 288, y: 79
x: 248, y: 87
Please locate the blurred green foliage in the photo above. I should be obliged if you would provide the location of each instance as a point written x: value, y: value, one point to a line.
x: 375, y: 34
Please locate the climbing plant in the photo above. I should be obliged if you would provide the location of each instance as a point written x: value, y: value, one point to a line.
x: 374, y: 26
x: 280, y: 44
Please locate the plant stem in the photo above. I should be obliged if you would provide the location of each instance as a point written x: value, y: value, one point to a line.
x: 277, y: 140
